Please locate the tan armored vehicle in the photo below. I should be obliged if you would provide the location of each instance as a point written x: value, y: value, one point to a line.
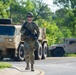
x: 67, y: 45
x: 11, y: 44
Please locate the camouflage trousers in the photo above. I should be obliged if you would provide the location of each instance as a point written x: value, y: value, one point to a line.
x: 30, y: 47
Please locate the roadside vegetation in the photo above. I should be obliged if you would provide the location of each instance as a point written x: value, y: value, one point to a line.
x: 70, y: 55
x: 5, y: 65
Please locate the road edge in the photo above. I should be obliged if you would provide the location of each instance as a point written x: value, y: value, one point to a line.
x: 41, y: 72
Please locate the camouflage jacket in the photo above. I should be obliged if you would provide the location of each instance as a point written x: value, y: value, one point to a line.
x: 33, y: 27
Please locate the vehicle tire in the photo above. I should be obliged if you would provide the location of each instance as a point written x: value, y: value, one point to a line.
x: 58, y: 52
x: 21, y: 53
x: 38, y: 52
x: 44, y: 51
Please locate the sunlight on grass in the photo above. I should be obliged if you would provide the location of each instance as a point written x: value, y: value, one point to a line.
x: 70, y: 55
x: 5, y: 65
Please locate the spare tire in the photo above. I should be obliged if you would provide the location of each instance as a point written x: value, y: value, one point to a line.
x: 38, y: 52
x: 21, y: 53
x: 44, y: 51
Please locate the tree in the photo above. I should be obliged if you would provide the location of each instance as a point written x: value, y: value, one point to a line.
x: 42, y: 10
x: 66, y: 16
x: 19, y: 9
x: 4, y: 9
x: 66, y: 3
x: 53, y: 33
x: 65, y: 19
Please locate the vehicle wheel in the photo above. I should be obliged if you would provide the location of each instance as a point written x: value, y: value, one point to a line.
x: 21, y: 54
x: 44, y: 51
x: 58, y: 52
x: 38, y: 53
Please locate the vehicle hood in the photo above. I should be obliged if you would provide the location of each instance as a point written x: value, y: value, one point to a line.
x: 56, y: 45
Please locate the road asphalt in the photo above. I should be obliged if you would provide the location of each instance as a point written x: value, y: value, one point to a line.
x: 19, y: 71
x: 51, y: 66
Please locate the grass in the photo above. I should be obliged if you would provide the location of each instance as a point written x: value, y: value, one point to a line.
x: 70, y: 55
x: 5, y: 65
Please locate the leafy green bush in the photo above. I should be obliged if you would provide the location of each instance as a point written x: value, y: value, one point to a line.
x: 53, y: 33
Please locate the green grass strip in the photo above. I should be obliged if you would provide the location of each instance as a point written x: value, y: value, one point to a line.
x: 5, y: 65
x: 70, y: 55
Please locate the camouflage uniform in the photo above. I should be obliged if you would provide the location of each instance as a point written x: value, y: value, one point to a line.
x: 30, y: 45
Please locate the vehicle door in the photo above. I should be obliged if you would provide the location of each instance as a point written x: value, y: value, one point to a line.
x: 72, y: 46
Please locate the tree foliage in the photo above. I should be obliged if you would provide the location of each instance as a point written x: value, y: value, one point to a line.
x: 66, y: 16
x: 3, y: 9
x: 66, y: 3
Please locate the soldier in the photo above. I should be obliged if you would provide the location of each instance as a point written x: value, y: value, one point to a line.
x: 30, y: 42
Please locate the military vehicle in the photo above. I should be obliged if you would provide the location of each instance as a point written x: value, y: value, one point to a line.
x: 67, y: 45
x: 11, y: 44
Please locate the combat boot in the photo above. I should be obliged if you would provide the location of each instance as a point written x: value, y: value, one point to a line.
x: 32, y: 67
x: 27, y: 66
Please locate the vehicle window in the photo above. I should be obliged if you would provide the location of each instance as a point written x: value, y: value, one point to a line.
x: 72, y: 42
x: 7, y: 30
x: 63, y: 41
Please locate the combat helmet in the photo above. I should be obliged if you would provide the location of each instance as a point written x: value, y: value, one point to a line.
x: 30, y: 14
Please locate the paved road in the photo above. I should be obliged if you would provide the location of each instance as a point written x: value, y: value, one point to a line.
x: 54, y: 66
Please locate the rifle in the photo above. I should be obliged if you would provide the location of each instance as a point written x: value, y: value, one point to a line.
x: 28, y: 32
